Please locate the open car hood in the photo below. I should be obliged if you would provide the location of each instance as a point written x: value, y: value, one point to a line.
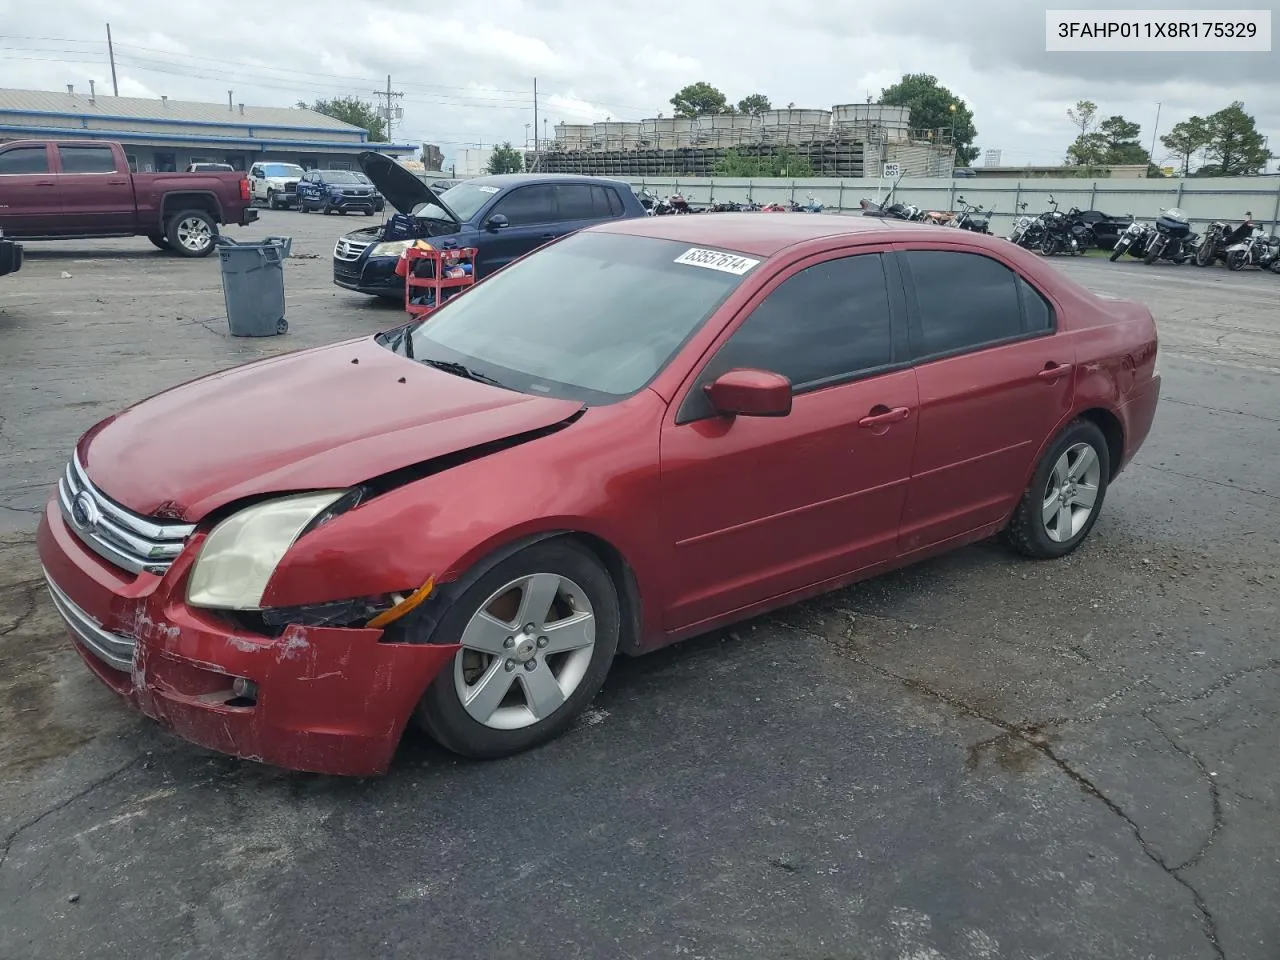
x: 325, y: 418
x: 402, y: 189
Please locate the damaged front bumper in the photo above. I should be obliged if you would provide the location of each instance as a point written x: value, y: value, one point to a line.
x: 331, y: 700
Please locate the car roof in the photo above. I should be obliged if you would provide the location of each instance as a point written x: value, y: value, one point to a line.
x: 764, y: 234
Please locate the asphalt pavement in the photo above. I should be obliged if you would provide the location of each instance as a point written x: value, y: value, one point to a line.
x: 980, y: 757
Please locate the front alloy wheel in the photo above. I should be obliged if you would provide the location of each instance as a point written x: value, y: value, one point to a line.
x: 538, y: 633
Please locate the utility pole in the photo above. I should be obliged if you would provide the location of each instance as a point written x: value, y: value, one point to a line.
x: 535, y: 114
x: 387, y: 110
x: 111, y: 54
x: 1151, y: 154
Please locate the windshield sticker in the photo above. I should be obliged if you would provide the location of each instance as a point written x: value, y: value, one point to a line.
x: 488, y: 189
x: 717, y: 260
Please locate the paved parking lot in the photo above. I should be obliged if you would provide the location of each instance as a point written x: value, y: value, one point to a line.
x: 977, y: 758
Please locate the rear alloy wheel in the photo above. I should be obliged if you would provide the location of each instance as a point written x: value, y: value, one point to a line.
x: 538, y: 633
x: 192, y: 233
x: 1062, y: 502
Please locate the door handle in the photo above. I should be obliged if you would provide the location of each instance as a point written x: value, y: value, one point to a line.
x: 1054, y: 371
x: 117, y: 183
x: 45, y: 183
x: 885, y: 417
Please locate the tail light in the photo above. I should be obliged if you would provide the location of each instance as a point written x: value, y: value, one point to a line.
x: 244, y: 188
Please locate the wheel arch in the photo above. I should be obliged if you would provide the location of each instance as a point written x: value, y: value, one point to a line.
x: 620, y: 571
x: 175, y: 203
x: 1113, y: 430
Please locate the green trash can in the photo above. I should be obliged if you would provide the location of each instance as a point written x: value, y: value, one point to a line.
x: 253, y: 285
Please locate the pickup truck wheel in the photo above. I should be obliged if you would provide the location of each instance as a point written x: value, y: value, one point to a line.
x: 160, y: 240
x: 191, y: 233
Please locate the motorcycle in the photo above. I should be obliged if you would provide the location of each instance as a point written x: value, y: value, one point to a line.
x: 1133, y: 241
x: 1066, y: 232
x: 972, y: 218
x: 813, y: 206
x: 1258, y: 250
x: 1021, y: 224
x: 1172, y: 240
x: 895, y: 211
x: 1219, y: 237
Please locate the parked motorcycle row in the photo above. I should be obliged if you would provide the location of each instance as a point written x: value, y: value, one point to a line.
x: 677, y: 204
x: 1169, y: 238
x: 969, y: 217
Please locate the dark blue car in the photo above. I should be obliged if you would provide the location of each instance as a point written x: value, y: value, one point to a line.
x: 503, y: 217
x: 338, y: 191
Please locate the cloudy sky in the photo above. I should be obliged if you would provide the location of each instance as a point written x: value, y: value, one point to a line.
x: 468, y: 76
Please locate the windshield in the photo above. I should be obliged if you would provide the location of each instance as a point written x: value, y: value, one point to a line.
x: 592, y: 318
x: 465, y: 200
x: 282, y: 170
x: 341, y: 176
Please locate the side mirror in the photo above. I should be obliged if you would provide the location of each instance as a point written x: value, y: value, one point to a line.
x: 750, y: 393
x: 497, y: 222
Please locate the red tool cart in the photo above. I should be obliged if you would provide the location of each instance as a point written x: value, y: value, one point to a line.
x: 431, y: 277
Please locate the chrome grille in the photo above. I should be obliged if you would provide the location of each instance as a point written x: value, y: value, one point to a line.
x: 113, y: 649
x: 122, y: 537
x: 349, y: 250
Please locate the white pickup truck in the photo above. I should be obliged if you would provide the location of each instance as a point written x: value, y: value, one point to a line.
x: 275, y: 184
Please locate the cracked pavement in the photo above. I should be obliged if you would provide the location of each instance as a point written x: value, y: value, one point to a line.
x: 979, y: 757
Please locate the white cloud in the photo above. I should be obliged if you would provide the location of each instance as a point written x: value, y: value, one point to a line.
x: 468, y: 76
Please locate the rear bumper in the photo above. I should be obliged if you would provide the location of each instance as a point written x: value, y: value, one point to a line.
x: 329, y: 700
x: 1137, y: 416
x: 248, y: 216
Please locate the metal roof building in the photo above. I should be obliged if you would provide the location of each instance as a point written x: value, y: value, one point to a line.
x: 165, y: 134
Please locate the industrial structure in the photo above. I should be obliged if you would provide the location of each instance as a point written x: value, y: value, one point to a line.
x: 849, y: 140
x: 161, y: 135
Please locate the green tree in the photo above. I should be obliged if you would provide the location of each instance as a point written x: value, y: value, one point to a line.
x: 700, y: 98
x: 1235, y: 143
x: 932, y: 109
x: 1084, y: 115
x: 1120, y: 137
x: 774, y: 163
x: 1186, y: 139
x: 352, y: 110
x: 754, y: 105
x: 505, y: 159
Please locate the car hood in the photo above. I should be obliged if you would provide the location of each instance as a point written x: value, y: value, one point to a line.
x: 398, y: 186
x: 325, y: 418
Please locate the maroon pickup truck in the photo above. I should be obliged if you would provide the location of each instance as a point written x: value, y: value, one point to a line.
x: 50, y: 190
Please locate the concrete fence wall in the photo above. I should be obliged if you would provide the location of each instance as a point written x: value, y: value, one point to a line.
x: 1202, y: 199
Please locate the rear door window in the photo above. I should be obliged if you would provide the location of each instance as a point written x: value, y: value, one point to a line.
x: 76, y: 159
x: 964, y: 301
x: 574, y: 202
x: 24, y: 160
x: 535, y: 203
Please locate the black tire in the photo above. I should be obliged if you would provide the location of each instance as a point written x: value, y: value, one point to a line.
x: 302, y: 206
x: 174, y: 228
x: 1026, y: 531
x: 160, y: 241
x: 1152, y: 255
x: 1275, y: 266
x: 441, y: 713
x: 1204, y: 254
x: 1235, y: 260
x: 1049, y: 245
x: 326, y: 209
x: 368, y: 213
x: 282, y: 325
x: 271, y: 200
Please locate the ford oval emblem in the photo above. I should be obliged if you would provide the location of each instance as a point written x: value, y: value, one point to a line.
x: 84, y: 512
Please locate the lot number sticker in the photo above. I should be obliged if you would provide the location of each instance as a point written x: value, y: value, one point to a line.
x: 717, y: 260
x: 892, y: 171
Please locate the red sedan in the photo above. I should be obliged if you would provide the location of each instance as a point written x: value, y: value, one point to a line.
x: 643, y: 431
